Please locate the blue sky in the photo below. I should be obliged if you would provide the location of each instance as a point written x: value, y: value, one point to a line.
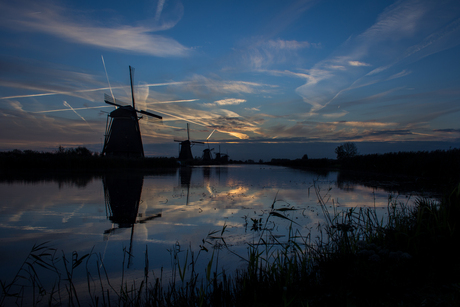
x: 272, y: 79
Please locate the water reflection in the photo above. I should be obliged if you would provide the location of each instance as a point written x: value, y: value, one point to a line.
x: 122, y: 193
x: 134, y: 211
x: 62, y: 179
x: 348, y: 180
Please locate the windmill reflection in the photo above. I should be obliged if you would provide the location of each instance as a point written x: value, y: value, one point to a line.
x: 203, y: 176
x: 185, y: 174
x: 122, y: 193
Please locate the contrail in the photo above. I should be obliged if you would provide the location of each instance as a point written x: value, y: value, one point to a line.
x: 99, y: 107
x: 110, y: 106
x: 58, y: 93
x: 60, y: 110
x: 210, y: 134
x: 68, y: 105
x: 171, y: 101
x: 107, y: 75
x: 87, y: 90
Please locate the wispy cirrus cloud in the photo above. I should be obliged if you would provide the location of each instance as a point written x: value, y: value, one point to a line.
x: 209, y: 87
x: 366, y: 131
x: 357, y: 63
x: 401, y: 19
x: 60, y: 22
x: 224, y: 102
x: 400, y: 74
x: 264, y: 53
x: 21, y: 129
x: 222, y: 120
x: 403, y: 26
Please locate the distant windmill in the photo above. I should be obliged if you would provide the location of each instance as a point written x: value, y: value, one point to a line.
x: 185, y: 152
x: 122, y: 135
x: 207, y: 152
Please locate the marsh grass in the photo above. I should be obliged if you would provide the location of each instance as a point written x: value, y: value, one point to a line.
x: 359, y: 258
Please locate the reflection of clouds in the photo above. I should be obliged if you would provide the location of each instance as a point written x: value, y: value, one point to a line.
x: 36, y: 211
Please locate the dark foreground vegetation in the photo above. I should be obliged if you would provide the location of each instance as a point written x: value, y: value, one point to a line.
x: 410, y: 259
x: 75, y: 159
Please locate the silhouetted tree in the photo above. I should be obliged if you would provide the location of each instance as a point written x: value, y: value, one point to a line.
x: 305, y: 157
x: 346, y: 150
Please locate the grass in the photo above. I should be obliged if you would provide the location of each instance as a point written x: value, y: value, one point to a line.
x: 407, y: 259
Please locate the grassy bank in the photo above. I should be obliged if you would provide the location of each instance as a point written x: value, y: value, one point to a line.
x: 408, y: 259
x: 429, y: 164
x: 77, y: 159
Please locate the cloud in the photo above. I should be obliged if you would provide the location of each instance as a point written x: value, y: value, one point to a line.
x: 400, y: 74
x: 241, y: 136
x: 358, y: 63
x: 224, y: 102
x: 222, y: 120
x: 447, y: 130
x: 383, y: 45
x: 23, y: 130
x: 229, y: 101
x: 209, y: 87
x: 402, y: 19
x: 253, y: 109
x: 280, y: 44
x: 365, y: 124
x: 262, y: 54
x: 335, y: 115
x: 59, y: 22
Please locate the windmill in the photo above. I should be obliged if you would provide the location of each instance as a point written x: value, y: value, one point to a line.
x: 185, y: 152
x: 122, y: 134
x: 207, y: 152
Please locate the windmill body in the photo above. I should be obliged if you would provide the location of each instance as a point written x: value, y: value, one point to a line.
x: 123, y: 135
x: 185, y: 152
x: 207, y: 155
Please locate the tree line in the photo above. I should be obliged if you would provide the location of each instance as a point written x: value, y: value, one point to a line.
x: 79, y: 158
x: 435, y: 164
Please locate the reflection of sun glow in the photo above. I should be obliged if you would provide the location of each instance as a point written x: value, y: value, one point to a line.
x: 208, y: 188
x: 238, y: 190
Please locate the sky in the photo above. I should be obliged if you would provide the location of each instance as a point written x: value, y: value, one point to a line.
x: 257, y: 79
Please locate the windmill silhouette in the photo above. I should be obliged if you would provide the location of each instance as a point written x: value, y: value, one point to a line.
x: 122, y: 134
x: 185, y: 151
x: 207, y: 152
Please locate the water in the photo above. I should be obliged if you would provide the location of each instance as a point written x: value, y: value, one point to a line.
x: 165, y: 211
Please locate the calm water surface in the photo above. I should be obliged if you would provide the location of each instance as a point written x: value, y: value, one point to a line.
x: 161, y: 212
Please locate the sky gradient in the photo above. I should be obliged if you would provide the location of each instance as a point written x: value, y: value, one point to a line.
x: 272, y: 79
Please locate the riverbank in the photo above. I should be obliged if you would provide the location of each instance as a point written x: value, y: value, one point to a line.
x: 429, y: 164
x: 76, y: 160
